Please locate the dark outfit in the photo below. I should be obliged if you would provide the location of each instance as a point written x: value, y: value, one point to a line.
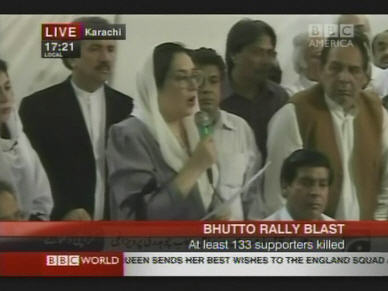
x: 258, y: 112
x: 53, y: 121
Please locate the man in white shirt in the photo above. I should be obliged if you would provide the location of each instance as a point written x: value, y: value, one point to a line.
x: 345, y: 123
x: 305, y: 178
x: 67, y: 125
x: 238, y: 158
x: 306, y: 55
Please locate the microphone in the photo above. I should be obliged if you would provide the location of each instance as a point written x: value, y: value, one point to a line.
x: 205, y: 128
x: 204, y: 123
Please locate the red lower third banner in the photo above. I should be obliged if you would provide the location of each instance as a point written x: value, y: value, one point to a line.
x: 194, y: 228
x: 104, y: 264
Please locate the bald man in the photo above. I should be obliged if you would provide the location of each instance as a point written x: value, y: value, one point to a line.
x: 360, y: 22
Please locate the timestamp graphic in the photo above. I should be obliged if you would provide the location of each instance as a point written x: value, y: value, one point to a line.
x: 60, y: 49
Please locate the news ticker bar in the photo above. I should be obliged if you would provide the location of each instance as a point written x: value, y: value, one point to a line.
x: 195, y: 244
x: 195, y: 229
x: 109, y: 264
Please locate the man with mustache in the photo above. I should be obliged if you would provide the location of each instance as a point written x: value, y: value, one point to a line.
x: 347, y: 124
x: 250, y: 54
x: 68, y: 123
x: 305, y: 178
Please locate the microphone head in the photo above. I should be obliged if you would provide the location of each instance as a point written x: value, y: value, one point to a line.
x: 202, y: 118
x: 204, y: 123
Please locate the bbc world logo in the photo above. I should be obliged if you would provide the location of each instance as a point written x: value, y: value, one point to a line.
x: 62, y: 260
x: 331, y: 30
x: 77, y: 260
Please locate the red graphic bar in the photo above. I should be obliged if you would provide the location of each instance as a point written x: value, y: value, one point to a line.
x: 193, y: 228
x: 104, y: 264
x: 62, y: 31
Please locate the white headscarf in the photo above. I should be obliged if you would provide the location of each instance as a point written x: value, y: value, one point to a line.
x: 147, y: 110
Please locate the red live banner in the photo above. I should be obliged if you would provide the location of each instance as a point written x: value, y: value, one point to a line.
x: 194, y: 229
x: 104, y: 264
x: 62, y: 31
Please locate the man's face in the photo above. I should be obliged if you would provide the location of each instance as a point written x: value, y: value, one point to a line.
x: 254, y: 61
x: 9, y: 209
x: 312, y: 58
x: 307, y: 194
x: 96, y: 61
x: 209, y: 94
x: 380, y: 51
x: 342, y: 76
x: 6, y: 97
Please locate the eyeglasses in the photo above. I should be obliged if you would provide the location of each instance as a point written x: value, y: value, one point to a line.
x: 185, y: 81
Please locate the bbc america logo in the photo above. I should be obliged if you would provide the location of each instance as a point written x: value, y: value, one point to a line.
x: 63, y: 260
x: 331, y: 30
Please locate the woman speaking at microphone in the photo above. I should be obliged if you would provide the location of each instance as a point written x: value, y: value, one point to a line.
x: 158, y: 166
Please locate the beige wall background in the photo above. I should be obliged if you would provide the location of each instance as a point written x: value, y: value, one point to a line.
x: 20, y: 37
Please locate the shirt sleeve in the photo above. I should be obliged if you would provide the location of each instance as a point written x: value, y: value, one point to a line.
x: 136, y: 191
x: 283, y: 139
x: 381, y: 212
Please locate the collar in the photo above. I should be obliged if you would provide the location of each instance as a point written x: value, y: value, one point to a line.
x: 224, y: 121
x: 287, y: 216
x: 85, y: 94
x: 306, y: 83
x: 337, y: 109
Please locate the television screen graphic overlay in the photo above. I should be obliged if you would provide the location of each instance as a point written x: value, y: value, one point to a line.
x: 143, y: 253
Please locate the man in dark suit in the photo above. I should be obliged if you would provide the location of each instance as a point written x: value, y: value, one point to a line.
x: 67, y: 125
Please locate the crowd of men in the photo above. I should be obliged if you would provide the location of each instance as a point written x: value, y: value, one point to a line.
x: 325, y: 136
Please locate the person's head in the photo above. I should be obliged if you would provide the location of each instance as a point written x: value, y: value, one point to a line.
x: 9, y: 209
x: 380, y: 49
x: 7, y: 97
x: 306, y: 55
x: 305, y: 178
x: 95, y: 64
x: 212, y: 67
x: 177, y: 80
x: 360, y: 22
x: 344, y: 68
x: 250, y: 50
